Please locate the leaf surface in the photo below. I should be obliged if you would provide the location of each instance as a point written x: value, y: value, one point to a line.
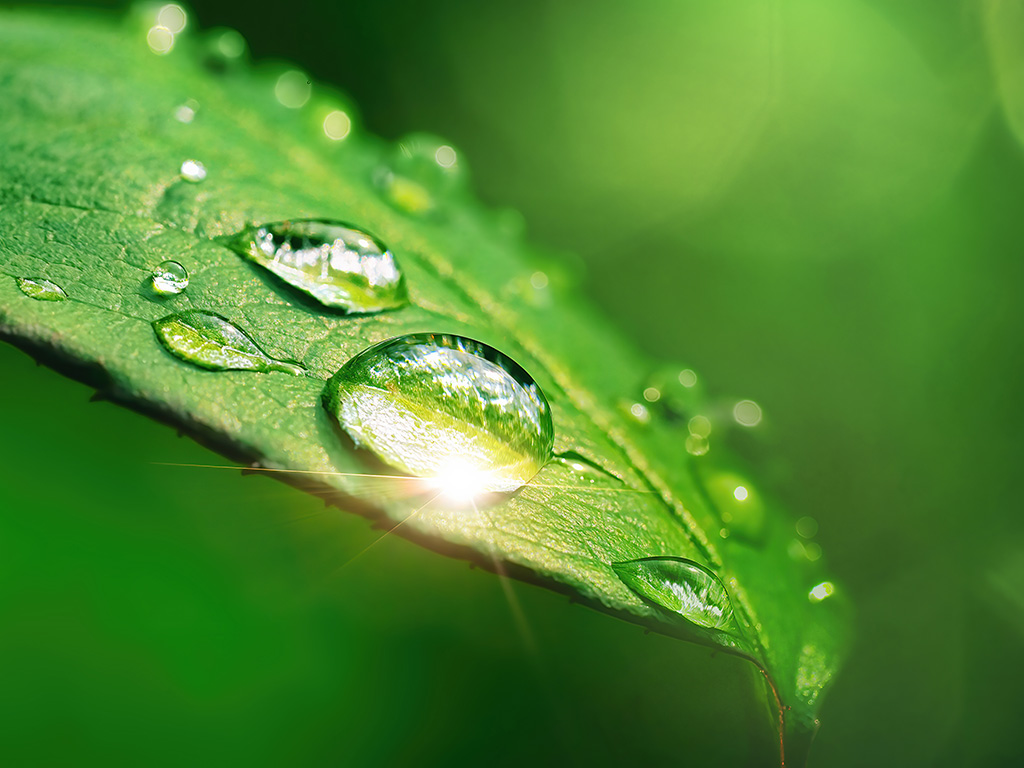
x: 92, y: 198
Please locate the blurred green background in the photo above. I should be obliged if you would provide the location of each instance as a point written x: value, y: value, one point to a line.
x: 814, y: 204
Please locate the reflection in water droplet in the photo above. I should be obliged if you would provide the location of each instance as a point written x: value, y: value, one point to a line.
x: 170, y: 278
x: 337, y: 125
x: 747, y: 413
x: 539, y: 281
x: 41, y: 289
x: 173, y: 17
x: 293, y: 89
x: 807, y: 527
x: 687, y: 378
x: 822, y: 591
x: 193, y: 170
x: 699, y: 426
x: 160, y: 40
x: 652, y: 394
x: 212, y: 342
x: 445, y: 407
x: 697, y: 445
x: 681, y: 586
x: 335, y: 263
x: 420, y: 174
x: 737, y: 504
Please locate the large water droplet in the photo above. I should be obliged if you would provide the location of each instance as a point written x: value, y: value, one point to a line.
x: 335, y: 263
x: 681, y: 586
x: 445, y: 407
x: 420, y: 174
x: 170, y: 278
x: 41, y: 289
x: 212, y: 342
x: 738, y: 504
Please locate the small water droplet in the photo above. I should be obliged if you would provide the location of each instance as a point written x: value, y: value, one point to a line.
x: 807, y: 527
x: 41, y: 289
x: 420, y: 174
x: 213, y: 342
x: 193, y: 170
x: 335, y: 263
x: 699, y: 426
x: 737, y: 504
x: 681, y: 586
x: 747, y: 413
x: 638, y: 412
x: 821, y: 592
x: 186, y: 113
x: 170, y: 278
x: 173, y: 17
x: 337, y: 125
x: 160, y: 40
x: 687, y: 378
x: 447, y: 408
x: 293, y: 89
x: 697, y: 445
x: 652, y: 394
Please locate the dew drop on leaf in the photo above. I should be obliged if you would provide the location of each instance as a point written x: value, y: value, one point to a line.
x: 738, y: 505
x: 680, y: 586
x: 41, y: 289
x: 170, y: 278
x: 212, y: 342
x: 420, y: 174
x: 338, y: 265
x: 445, y: 407
x: 193, y: 171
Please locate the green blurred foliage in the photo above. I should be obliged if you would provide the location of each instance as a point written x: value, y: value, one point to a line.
x: 816, y: 205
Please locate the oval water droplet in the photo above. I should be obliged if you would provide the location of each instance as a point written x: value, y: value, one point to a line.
x: 170, y: 278
x: 41, y: 289
x: 680, y: 586
x: 212, y: 342
x: 445, y: 407
x: 421, y: 172
x: 335, y: 263
x: 738, y: 504
x: 193, y: 171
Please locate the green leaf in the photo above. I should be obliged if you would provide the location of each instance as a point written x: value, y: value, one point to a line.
x: 92, y: 198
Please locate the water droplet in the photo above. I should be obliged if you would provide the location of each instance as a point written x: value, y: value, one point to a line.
x: 638, y: 412
x: 337, y: 125
x: 212, y: 342
x: 699, y: 426
x: 652, y: 394
x: 41, y: 289
x: 747, y: 413
x: 170, y: 278
x: 681, y: 586
x: 186, y: 113
x: 193, y: 170
x: 447, y: 408
x: 293, y: 89
x: 697, y: 445
x: 687, y: 378
x: 807, y: 527
x: 738, y: 504
x: 821, y: 592
x: 160, y: 40
x: 420, y: 174
x: 173, y: 17
x: 335, y: 263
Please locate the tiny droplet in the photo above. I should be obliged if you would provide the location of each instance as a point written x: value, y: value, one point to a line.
x: 41, y: 289
x: 193, y: 171
x: 652, y: 394
x: 747, y: 413
x: 170, y: 278
x: 687, y: 377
